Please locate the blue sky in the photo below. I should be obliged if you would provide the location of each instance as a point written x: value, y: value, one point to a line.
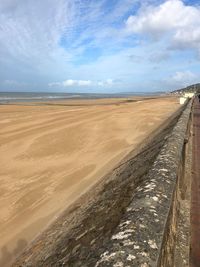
x: 98, y: 45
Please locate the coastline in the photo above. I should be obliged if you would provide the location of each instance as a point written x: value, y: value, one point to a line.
x: 37, y: 97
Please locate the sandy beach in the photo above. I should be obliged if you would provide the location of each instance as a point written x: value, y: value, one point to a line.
x: 51, y: 154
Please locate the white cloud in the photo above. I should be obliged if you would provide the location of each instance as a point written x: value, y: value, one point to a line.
x: 43, y: 40
x: 181, y: 79
x: 184, y: 76
x: 172, y: 14
x: 186, y: 39
x: 178, y: 22
x: 46, y: 41
x: 76, y: 82
x: 70, y: 82
x: 30, y: 32
x: 82, y: 83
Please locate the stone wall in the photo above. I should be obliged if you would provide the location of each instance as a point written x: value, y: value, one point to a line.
x: 146, y: 234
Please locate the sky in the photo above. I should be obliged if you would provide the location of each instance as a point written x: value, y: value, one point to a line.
x: 103, y: 46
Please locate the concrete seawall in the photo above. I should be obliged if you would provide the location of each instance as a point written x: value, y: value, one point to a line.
x: 146, y: 235
x: 130, y: 217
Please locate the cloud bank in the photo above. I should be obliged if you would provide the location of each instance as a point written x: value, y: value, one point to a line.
x: 141, y: 44
x: 81, y: 83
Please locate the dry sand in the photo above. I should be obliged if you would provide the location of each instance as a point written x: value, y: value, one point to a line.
x: 51, y: 154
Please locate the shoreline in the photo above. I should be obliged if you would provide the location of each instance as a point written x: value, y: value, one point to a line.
x: 20, y: 97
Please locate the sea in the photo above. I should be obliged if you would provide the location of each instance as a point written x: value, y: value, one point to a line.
x: 13, y: 97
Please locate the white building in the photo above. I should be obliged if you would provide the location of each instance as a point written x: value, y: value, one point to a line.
x: 189, y: 95
x: 182, y: 100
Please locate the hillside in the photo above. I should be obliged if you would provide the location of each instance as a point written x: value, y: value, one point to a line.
x: 194, y: 88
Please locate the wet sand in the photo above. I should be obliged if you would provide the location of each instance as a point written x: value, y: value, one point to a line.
x: 51, y: 154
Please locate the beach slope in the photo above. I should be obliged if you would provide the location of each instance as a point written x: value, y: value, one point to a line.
x: 51, y: 154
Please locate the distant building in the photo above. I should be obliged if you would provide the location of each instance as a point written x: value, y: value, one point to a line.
x: 182, y: 100
x: 193, y: 89
x: 189, y: 95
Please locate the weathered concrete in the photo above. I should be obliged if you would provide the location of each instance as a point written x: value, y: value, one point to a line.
x: 182, y: 248
x: 147, y: 232
x: 125, y: 220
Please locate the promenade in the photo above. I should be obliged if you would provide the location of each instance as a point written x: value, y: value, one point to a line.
x: 195, y: 190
